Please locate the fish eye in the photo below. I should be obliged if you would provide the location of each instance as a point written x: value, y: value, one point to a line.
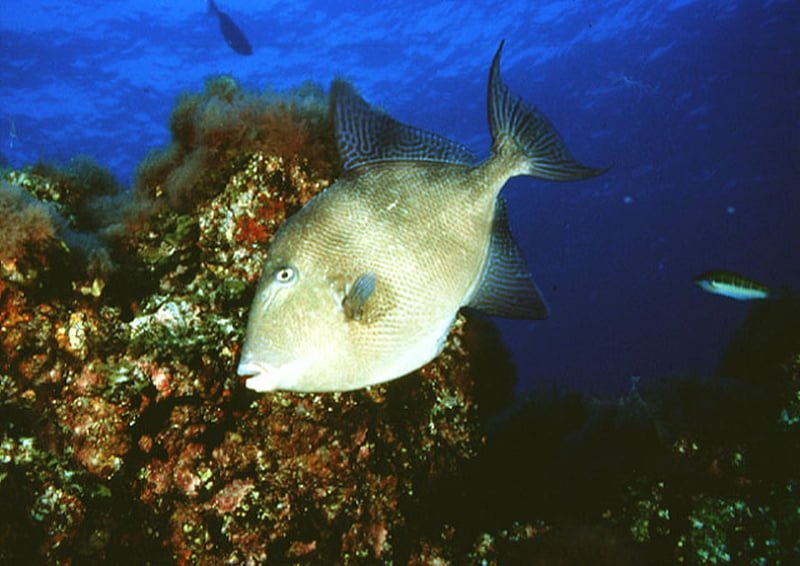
x: 285, y: 274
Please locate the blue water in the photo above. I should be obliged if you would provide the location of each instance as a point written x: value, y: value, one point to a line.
x: 694, y: 104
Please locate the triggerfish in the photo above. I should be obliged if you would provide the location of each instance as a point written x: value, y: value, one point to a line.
x: 733, y: 285
x: 362, y: 285
x: 234, y: 37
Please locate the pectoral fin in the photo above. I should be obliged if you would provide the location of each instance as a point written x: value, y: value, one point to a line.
x: 356, y: 298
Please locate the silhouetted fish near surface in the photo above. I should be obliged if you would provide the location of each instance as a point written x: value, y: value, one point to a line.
x: 230, y: 31
x: 732, y: 285
x: 362, y: 285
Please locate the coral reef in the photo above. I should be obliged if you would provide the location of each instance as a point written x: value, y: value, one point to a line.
x: 126, y: 435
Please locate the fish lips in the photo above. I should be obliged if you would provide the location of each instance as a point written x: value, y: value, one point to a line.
x: 258, y: 377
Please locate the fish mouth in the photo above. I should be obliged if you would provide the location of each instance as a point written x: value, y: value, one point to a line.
x: 257, y: 376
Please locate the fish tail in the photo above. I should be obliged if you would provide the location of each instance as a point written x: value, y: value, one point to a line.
x: 522, y: 133
x: 212, y: 7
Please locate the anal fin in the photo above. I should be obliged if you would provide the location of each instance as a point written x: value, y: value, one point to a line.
x: 506, y: 288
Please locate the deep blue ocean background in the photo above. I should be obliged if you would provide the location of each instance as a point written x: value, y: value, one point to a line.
x: 695, y: 106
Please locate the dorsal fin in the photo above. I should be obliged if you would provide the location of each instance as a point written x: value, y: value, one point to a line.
x: 365, y: 135
x: 506, y: 288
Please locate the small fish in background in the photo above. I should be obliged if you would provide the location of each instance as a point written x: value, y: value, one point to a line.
x: 234, y: 37
x: 363, y: 283
x: 732, y: 285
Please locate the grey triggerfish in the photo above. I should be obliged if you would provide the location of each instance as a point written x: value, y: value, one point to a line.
x: 230, y: 31
x: 363, y: 284
x: 732, y: 285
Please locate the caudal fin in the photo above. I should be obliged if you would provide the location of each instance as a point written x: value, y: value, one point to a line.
x: 519, y: 128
